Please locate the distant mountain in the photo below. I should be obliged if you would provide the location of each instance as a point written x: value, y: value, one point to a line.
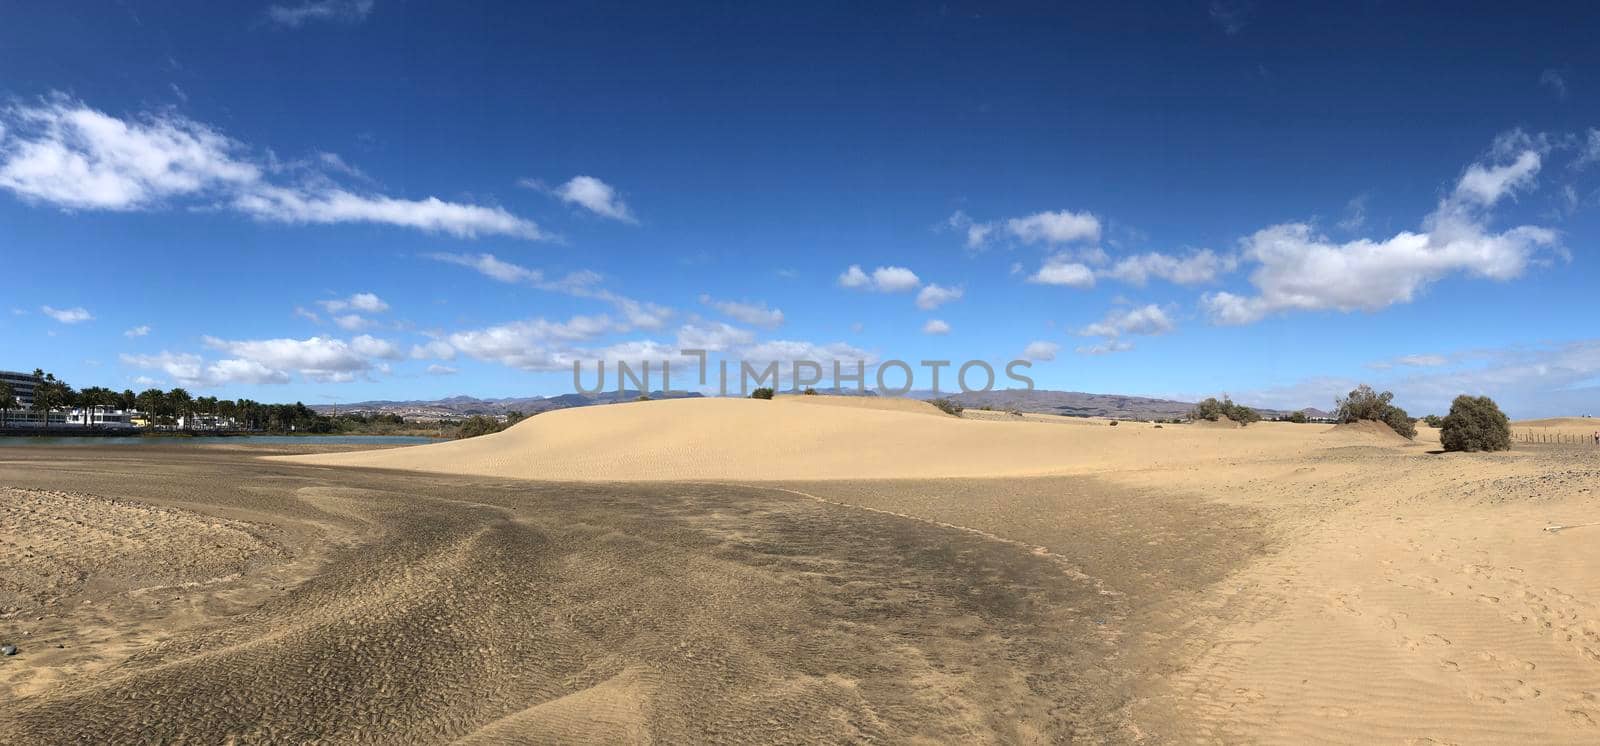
x: 466, y: 406
x: 1080, y: 404
x: 1068, y: 403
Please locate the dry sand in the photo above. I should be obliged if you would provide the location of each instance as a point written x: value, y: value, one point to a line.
x: 820, y: 570
x: 811, y: 437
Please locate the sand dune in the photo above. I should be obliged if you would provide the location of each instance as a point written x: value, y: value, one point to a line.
x: 813, y: 437
x: 823, y: 571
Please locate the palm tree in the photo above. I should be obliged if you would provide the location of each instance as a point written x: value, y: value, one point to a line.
x: 8, y: 402
x: 182, y: 405
x: 151, y: 402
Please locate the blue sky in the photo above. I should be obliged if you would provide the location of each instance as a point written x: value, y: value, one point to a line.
x: 341, y: 200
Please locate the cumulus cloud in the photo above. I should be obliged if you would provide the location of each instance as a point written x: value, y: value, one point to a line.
x: 1299, y: 269
x: 318, y: 358
x: 138, y: 331
x: 1063, y: 226
x: 437, y: 349
x: 712, y: 337
x: 883, y: 279
x: 533, y: 344
x: 933, y: 295
x: 336, y: 11
x: 1041, y: 351
x: 977, y: 234
x: 1147, y: 320
x: 441, y: 370
x: 755, y: 314
x: 1196, y: 268
x: 63, y: 153
x: 1059, y: 270
x: 190, y: 370
x: 367, y: 302
x: 596, y: 196
x: 935, y: 326
x: 75, y: 315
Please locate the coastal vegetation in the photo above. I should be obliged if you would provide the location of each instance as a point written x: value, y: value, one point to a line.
x: 1212, y: 410
x: 1366, y: 404
x: 1475, y: 423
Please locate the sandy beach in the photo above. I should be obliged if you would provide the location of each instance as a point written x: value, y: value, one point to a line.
x: 808, y: 570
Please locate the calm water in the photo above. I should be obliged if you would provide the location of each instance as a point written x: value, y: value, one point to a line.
x: 230, y: 440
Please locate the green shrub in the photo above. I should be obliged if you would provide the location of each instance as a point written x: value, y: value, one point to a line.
x: 1433, y: 420
x: 1299, y: 417
x: 643, y: 397
x: 477, y: 425
x: 761, y: 393
x: 1366, y: 404
x: 1212, y: 410
x: 810, y: 391
x: 1475, y: 423
x: 948, y: 406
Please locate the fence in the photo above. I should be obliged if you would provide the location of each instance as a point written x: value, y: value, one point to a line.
x: 1558, y: 438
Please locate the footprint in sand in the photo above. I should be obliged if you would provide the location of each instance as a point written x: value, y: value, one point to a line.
x: 1489, y: 599
x: 1580, y: 718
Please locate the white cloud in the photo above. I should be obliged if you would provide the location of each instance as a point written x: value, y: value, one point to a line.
x: 1058, y: 271
x: 883, y: 279
x: 1355, y: 214
x: 351, y: 322
x: 358, y: 302
x: 1198, y: 267
x: 1063, y: 226
x: 1106, y: 348
x: 755, y: 314
x: 489, y: 266
x: 371, y: 346
x: 318, y: 358
x: 1147, y: 320
x: 1041, y: 351
x: 76, y: 315
x: 977, y: 233
x: 894, y: 279
x: 935, y: 326
x: 323, y: 206
x: 933, y: 296
x: 190, y: 370
x: 437, y: 349
x: 307, y: 315
x: 1297, y: 269
x: 595, y: 196
x: 714, y: 337
x: 138, y: 331
x: 580, y: 284
x: 441, y: 370
x: 534, y: 344
x: 340, y: 11
x: 1487, y: 184
x: 63, y: 153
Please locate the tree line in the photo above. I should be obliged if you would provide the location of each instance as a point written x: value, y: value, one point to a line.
x: 166, y: 408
